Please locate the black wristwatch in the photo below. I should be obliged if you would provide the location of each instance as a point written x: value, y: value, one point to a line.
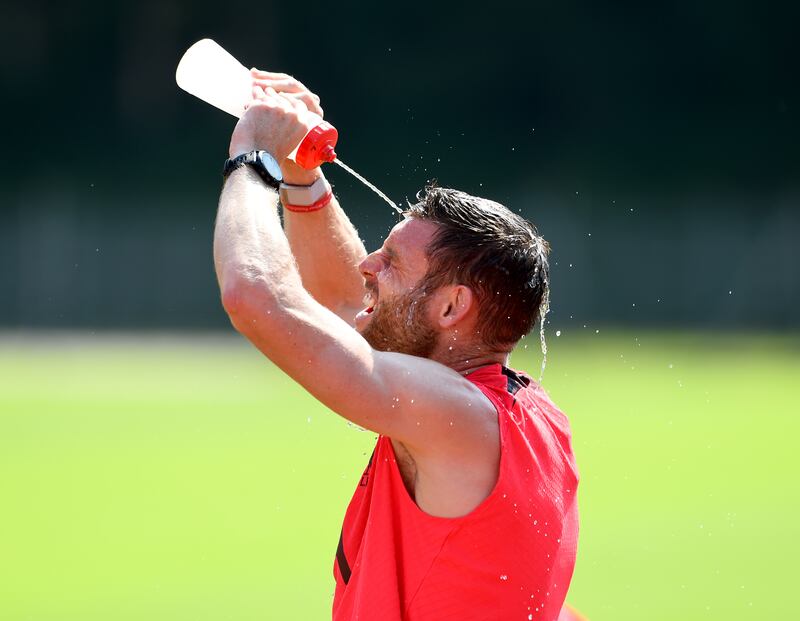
x: 264, y: 164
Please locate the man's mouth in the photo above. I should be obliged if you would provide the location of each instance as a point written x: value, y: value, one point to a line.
x: 370, y: 300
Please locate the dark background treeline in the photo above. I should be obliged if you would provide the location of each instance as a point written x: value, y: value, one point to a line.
x: 655, y: 145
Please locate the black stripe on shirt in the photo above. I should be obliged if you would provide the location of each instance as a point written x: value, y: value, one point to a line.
x: 341, y: 560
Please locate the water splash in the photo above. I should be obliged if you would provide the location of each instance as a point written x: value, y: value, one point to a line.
x: 543, y: 308
x: 368, y: 184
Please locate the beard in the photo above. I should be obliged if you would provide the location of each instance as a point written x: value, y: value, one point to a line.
x: 400, y: 324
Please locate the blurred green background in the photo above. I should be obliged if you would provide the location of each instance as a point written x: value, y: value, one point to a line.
x: 153, y: 466
x: 165, y: 478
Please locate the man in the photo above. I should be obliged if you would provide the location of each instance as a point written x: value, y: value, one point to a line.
x: 467, y: 507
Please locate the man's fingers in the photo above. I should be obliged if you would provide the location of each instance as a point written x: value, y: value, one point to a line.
x: 289, y: 85
x: 265, y: 98
x: 283, y: 85
x: 310, y: 101
x: 288, y: 98
x: 295, y: 102
x: 268, y: 75
x: 295, y: 90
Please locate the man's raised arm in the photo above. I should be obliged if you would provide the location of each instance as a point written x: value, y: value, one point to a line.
x: 410, y: 399
x: 324, y: 242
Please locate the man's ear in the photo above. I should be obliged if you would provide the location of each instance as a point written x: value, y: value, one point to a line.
x: 456, y: 304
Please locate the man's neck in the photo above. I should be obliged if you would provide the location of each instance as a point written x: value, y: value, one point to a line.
x: 465, y: 360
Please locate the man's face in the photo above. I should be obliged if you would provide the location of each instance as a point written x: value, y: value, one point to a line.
x: 396, y: 317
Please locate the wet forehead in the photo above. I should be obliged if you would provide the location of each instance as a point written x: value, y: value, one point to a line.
x: 408, y: 241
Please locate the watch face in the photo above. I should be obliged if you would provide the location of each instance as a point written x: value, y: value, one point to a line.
x: 271, y: 165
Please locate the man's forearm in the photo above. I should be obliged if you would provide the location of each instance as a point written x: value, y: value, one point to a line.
x: 251, y: 253
x: 328, y: 251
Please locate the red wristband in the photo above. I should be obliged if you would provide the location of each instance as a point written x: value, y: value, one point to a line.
x: 313, y: 206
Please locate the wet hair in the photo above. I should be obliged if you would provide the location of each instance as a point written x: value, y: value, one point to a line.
x: 499, y: 255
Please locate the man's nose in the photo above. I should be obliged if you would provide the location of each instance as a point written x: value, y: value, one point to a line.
x: 370, y: 266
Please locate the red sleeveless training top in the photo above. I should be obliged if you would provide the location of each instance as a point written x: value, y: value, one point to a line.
x: 510, y: 558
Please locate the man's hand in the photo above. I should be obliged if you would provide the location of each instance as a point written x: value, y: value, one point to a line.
x: 292, y: 89
x: 325, y: 245
x: 272, y: 122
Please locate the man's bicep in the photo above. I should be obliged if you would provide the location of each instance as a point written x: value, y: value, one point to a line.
x: 421, y: 403
x: 325, y: 355
x: 414, y: 400
x: 438, y: 410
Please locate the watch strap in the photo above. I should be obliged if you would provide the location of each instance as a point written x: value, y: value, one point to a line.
x: 254, y: 160
x: 303, y: 198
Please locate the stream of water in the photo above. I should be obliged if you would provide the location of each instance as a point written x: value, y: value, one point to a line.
x: 368, y: 184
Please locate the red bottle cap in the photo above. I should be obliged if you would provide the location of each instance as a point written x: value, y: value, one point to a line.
x: 317, y: 146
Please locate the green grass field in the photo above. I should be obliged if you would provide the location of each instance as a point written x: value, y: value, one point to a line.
x: 157, y: 478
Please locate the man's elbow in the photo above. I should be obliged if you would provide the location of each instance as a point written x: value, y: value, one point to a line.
x: 247, y: 308
x: 232, y: 298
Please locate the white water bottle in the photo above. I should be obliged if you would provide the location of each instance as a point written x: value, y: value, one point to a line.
x: 210, y: 73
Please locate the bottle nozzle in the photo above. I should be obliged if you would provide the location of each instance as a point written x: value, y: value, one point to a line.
x: 327, y: 154
x: 318, y: 146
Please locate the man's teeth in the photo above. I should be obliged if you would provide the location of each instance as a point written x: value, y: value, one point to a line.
x: 370, y: 300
